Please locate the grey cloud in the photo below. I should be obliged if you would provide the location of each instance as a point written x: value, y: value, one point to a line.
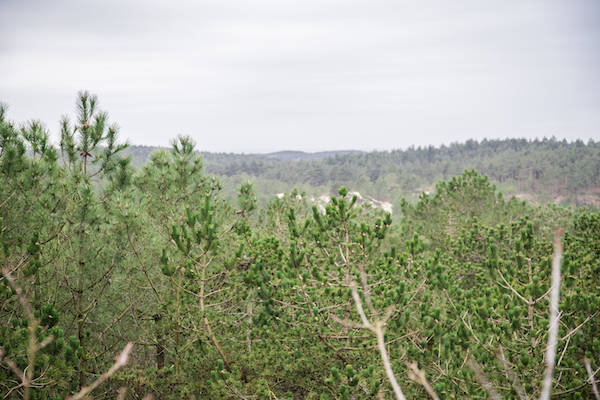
x: 309, y: 75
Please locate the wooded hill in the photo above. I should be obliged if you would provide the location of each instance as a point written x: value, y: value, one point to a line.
x: 539, y: 171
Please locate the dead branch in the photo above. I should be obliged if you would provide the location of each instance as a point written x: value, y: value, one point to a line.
x: 418, y: 375
x: 554, y: 317
x: 122, y: 393
x: 24, y: 303
x: 121, y: 361
x: 483, y: 380
x: 11, y: 364
x: 27, y: 375
x: 588, y: 368
x: 378, y: 328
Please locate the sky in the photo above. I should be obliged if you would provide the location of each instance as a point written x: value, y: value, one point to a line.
x: 311, y: 75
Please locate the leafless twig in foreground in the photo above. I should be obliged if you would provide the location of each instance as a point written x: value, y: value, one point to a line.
x: 122, y: 393
x: 554, y: 317
x: 119, y: 363
x: 418, y: 375
x: 378, y: 328
x: 588, y: 368
x: 27, y: 375
x: 22, y: 299
x: 483, y: 380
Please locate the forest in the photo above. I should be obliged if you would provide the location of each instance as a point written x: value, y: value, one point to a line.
x: 168, y: 275
x: 540, y: 171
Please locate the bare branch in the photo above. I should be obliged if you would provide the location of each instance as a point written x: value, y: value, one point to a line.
x: 510, y: 373
x: 366, y: 290
x: 12, y: 365
x: 346, y: 323
x: 45, y: 342
x: 19, y: 292
x: 483, y: 380
x: 120, y: 362
x: 574, y: 331
x: 378, y: 329
x: 468, y: 326
x: 554, y: 317
x: 27, y: 375
x: 122, y: 393
x: 418, y: 375
x: 509, y: 286
x: 387, y: 365
x: 205, y: 318
x: 388, y: 313
x: 588, y: 368
x: 360, y: 309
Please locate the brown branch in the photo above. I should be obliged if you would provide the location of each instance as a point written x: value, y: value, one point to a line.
x: 468, y: 326
x: 115, y: 321
x: 378, y: 328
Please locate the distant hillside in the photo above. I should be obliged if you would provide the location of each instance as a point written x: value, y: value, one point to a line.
x: 140, y: 154
x: 303, y: 156
x: 540, y: 171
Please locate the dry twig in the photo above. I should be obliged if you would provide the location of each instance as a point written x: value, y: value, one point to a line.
x: 378, y: 328
x: 27, y: 375
x: 554, y: 317
x: 483, y: 380
x: 120, y: 362
x: 418, y: 375
x: 588, y: 368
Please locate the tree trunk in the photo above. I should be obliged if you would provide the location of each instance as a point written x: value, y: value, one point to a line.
x: 160, y: 349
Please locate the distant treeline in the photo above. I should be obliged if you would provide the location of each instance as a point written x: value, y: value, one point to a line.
x: 538, y: 170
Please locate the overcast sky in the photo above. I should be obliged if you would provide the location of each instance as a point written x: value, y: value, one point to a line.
x: 266, y: 75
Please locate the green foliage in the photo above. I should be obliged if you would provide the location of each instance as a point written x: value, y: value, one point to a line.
x: 247, y: 299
